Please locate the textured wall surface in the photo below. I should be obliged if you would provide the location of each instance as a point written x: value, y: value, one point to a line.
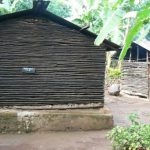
x: 69, y: 68
x: 135, y: 78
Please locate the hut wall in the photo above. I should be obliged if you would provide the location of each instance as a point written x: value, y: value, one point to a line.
x: 135, y: 78
x: 69, y: 68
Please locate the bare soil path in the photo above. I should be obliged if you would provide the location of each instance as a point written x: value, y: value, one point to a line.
x: 121, y: 107
x: 56, y: 141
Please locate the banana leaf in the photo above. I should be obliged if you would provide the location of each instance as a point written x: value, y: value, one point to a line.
x: 143, y: 17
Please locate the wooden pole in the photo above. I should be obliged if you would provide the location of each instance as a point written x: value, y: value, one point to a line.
x: 137, y: 47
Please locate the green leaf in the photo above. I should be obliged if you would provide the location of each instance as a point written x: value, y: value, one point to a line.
x: 4, y: 8
x: 117, y: 37
x: 111, y: 23
x: 13, y: 6
x: 129, y: 39
x: 119, y: 2
x: 144, y: 32
x: 142, y: 16
x: 90, y: 2
x: 109, y: 26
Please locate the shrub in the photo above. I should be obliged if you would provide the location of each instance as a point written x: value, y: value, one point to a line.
x: 114, y: 73
x: 134, y: 137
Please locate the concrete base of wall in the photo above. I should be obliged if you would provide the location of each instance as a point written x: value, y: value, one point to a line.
x: 24, y: 121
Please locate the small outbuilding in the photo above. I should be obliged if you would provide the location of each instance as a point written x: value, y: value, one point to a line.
x: 138, y: 52
x: 135, y: 78
x: 46, y: 60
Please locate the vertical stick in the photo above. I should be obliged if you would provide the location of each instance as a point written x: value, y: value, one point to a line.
x: 137, y: 47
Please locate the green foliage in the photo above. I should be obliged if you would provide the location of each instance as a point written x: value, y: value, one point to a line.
x: 110, y: 24
x: 142, y: 18
x: 19, y: 5
x: 89, y: 15
x: 59, y: 8
x: 9, y: 6
x: 107, y: 18
x: 3, y: 10
x: 117, y: 20
x: 121, y: 8
x: 114, y: 72
x: 134, y: 137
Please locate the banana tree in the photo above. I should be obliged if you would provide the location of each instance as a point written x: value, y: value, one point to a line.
x: 142, y: 18
x: 117, y: 17
x: 98, y: 15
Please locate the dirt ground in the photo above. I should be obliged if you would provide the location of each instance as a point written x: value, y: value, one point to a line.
x: 56, y: 141
x: 121, y: 107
